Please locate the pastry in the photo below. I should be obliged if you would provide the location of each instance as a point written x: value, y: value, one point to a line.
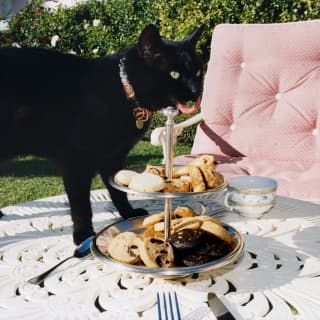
x: 124, y: 177
x: 147, y: 182
x: 185, y: 178
x: 197, y: 182
x: 125, y: 247
x: 156, y: 253
x: 203, y: 160
x: 158, y: 170
x: 177, y: 186
x: 210, y: 175
x: 180, y: 171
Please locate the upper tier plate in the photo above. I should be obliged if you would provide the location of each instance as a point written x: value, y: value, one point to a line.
x: 209, y: 193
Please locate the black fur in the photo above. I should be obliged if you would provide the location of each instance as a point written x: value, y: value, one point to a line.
x: 73, y: 110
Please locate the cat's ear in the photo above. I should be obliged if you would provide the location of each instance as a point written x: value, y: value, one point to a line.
x: 195, y: 36
x: 150, y: 43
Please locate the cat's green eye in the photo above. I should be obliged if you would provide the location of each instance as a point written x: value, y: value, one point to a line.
x: 198, y: 73
x: 175, y: 74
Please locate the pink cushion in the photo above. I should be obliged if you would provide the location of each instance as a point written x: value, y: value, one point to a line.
x: 261, y: 102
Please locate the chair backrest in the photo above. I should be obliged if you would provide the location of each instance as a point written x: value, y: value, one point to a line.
x: 262, y: 93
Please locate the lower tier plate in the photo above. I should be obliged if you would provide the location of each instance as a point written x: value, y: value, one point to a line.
x: 102, y: 240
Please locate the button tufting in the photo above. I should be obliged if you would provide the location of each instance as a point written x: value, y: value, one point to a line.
x: 278, y: 96
x: 315, y: 132
x: 243, y: 65
x: 233, y: 127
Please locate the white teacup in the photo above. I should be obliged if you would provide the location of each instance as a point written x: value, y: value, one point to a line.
x: 251, y: 196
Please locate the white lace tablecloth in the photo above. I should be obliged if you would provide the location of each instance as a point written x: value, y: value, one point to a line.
x: 278, y: 276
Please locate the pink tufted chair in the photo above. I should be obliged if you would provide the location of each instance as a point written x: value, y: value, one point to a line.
x: 261, y: 105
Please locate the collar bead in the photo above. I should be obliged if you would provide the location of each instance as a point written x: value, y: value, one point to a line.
x: 141, y: 115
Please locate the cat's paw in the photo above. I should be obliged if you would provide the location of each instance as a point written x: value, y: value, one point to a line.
x: 80, y: 235
x: 139, y: 212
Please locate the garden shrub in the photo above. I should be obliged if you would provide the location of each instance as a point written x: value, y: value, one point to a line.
x: 98, y: 28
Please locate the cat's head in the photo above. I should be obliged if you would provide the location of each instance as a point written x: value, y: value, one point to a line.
x: 177, y: 69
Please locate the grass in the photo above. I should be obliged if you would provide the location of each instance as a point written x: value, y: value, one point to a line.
x: 31, y: 178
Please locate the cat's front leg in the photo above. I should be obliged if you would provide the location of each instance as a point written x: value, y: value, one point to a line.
x: 120, y: 199
x: 77, y: 183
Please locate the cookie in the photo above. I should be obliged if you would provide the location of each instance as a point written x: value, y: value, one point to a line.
x: 181, y: 212
x: 196, y: 259
x: 153, y: 219
x: 149, y: 232
x: 124, y: 177
x: 190, y: 225
x: 125, y: 247
x: 186, y: 238
x: 156, y: 253
x: 214, y: 247
x: 147, y: 182
x: 217, y: 230
x: 185, y: 222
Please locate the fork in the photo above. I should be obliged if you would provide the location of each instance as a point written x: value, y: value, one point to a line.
x: 168, y: 306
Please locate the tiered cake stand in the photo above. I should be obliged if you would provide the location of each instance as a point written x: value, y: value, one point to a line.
x: 100, y: 243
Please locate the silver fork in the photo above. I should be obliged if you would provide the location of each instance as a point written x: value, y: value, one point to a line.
x: 168, y: 306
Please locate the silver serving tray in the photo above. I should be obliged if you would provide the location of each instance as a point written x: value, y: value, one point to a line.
x: 101, y: 241
x: 209, y: 193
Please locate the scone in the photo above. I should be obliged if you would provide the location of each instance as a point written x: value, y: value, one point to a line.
x: 125, y: 247
x: 124, y: 177
x: 147, y: 182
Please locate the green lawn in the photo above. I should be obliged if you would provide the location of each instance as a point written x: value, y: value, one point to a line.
x: 32, y: 178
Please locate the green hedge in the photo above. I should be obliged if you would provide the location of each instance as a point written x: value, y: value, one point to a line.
x: 95, y: 29
x: 120, y: 21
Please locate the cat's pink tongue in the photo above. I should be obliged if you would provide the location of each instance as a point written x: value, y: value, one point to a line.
x: 189, y: 110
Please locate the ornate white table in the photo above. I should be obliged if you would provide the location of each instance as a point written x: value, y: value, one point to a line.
x: 278, y: 276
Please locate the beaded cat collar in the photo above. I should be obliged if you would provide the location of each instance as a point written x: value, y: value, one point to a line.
x: 141, y: 115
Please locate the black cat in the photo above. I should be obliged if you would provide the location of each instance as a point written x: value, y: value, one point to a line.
x: 75, y: 111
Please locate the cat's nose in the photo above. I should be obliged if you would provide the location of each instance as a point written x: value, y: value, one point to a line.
x: 195, y: 89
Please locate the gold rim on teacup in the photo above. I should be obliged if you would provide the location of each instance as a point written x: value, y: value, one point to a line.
x: 251, y: 205
x: 252, y: 191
